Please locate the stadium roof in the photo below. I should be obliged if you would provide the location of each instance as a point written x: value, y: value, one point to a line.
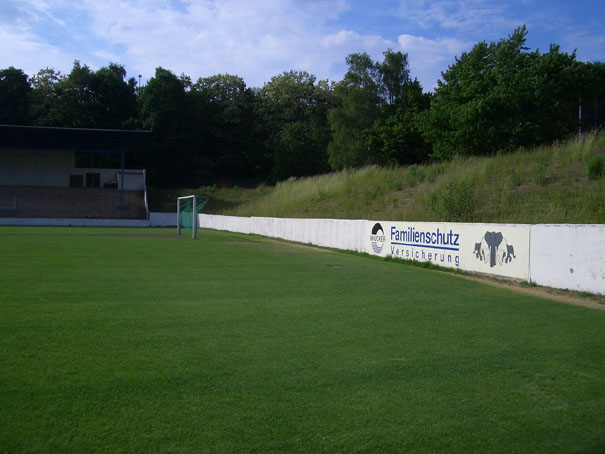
x: 72, y: 139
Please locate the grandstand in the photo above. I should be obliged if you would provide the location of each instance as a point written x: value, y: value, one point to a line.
x: 39, y: 177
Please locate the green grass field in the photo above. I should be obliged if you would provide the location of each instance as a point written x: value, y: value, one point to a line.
x: 136, y: 341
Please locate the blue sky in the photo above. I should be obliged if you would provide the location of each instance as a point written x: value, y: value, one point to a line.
x: 258, y: 39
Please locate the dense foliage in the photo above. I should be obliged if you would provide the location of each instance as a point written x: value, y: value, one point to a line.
x: 375, y: 121
x: 497, y: 97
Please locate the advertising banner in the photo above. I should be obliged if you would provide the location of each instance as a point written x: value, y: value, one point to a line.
x: 499, y: 249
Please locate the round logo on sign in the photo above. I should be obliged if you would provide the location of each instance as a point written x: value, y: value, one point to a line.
x: 377, y: 238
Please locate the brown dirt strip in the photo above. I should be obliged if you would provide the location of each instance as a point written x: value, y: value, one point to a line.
x: 562, y: 296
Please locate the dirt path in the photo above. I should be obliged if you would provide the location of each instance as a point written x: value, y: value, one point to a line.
x: 562, y: 296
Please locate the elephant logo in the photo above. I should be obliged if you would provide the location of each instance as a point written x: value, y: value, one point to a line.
x: 494, y: 249
x: 481, y: 251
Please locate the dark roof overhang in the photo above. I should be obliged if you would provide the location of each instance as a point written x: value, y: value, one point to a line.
x: 73, y: 139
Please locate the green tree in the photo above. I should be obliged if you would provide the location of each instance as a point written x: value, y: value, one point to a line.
x: 226, y: 123
x: 360, y: 102
x: 375, y: 122
x: 499, y: 96
x: 397, y: 139
x: 101, y: 99
x: 292, y: 108
x: 15, y: 97
x: 393, y: 76
x: 593, y: 102
x: 167, y: 109
x: 47, y: 93
x: 299, y: 151
x: 78, y: 98
x: 115, y: 100
x: 84, y: 98
x: 560, y: 84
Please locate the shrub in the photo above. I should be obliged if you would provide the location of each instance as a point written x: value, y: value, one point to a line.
x: 538, y: 174
x: 454, y: 201
x: 261, y: 190
x: 373, y: 192
x: 392, y: 181
x: 515, y: 178
x: 414, y: 175
x: 594, y: 167
x: 433, y: 172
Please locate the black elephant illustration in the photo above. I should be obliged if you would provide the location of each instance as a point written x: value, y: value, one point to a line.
x: 482, y: 251
x: 510, y: 253
x: 494, y: 249
x: 478, y: 252
x: 506, y: 252
x: 493, y: 240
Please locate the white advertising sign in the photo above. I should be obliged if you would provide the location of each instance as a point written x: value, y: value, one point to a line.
x: 499, y: 249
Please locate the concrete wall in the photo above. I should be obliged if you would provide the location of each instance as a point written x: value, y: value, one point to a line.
x: 568, y: 256
x: 53, y: 169
x: 105, y: 175
x: 134, y: 180
x: 228, y: 223
x: 35, y: 168
x: 333, y: 233
x: 498, y: 249
x: 162, y: 220
x: 155, y: 220
x: 560, y: 256
x: 75, y: 222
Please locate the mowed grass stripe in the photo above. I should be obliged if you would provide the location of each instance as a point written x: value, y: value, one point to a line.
x: 118, y: 340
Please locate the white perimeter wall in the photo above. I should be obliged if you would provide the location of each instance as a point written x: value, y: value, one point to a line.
x: 332, y: 233
x: 560, y: 256
x: 568, y: 256
x: 498, y: 249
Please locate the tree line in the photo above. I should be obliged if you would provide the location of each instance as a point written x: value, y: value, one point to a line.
x: 497, y: 97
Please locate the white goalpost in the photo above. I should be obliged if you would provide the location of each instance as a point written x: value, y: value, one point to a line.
x: 187, y: 210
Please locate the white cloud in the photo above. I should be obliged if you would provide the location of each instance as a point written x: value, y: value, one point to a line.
x: 443, y: 29
x: 484, y: 18
x: 254, y: 39
x: 429, y: 57
x: 323, y: 9
x: 257, y: 39
x: 42, y: 10
x: 24, y: 51
x: 590, y: 45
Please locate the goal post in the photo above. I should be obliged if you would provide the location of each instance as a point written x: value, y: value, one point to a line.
x: 187, y: 210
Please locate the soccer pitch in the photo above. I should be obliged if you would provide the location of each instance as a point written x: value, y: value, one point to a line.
x: 138, y: 341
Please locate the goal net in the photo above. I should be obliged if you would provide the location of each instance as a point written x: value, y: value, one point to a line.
x: 187, y: 209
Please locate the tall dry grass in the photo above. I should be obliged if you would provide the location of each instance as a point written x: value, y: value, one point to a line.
x: 547, y: 184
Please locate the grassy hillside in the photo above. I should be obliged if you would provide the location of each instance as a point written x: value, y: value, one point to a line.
x: 544, y: 185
